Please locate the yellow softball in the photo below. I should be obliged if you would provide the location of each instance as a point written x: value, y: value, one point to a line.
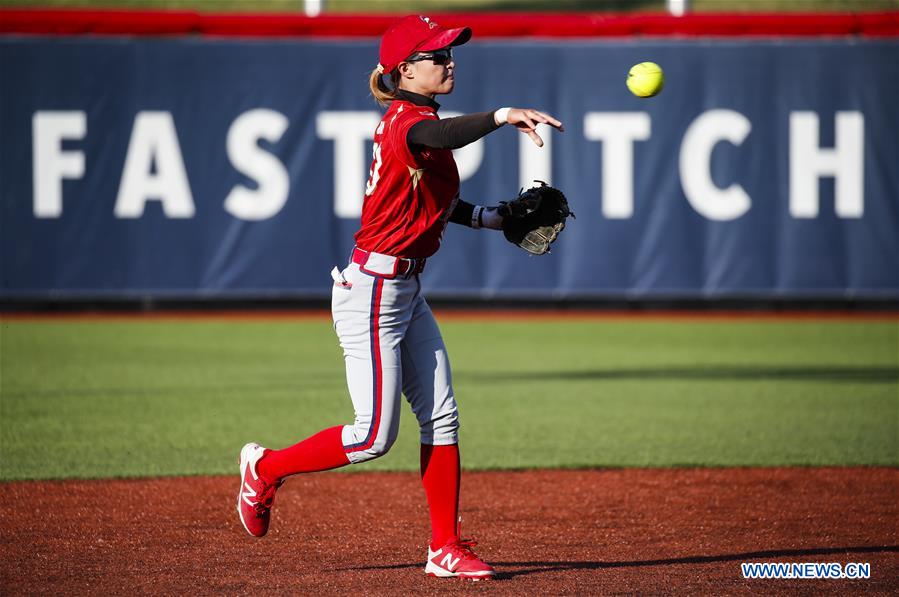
x: 645, y: 79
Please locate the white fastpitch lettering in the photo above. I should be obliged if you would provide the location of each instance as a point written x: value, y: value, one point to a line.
x: 50, y: 164
x: 618, y: 131
x: 154, y: 141
x: 809, y: 162
x: 273, y: 182
x: 703, y: 134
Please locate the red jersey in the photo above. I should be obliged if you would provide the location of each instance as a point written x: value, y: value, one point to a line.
x: 410, y: 195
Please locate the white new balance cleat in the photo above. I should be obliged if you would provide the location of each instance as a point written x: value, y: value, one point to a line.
x: 256, y: 496
x: 457, y: 560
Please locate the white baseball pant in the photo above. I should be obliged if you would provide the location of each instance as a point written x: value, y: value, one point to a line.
x: 391, y: 345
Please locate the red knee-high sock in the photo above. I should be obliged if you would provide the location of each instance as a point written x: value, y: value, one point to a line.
x: 441, y: 476
x: 323, y: 451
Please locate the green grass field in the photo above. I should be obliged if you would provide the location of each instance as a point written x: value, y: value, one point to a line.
x: 162, y: 397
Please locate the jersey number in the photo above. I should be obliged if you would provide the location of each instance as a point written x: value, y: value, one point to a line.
x: 374, y: 174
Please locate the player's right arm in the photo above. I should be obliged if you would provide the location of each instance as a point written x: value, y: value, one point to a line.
x: 453, y: 133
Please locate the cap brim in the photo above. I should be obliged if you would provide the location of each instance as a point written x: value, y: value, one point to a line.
x: 450, y: 37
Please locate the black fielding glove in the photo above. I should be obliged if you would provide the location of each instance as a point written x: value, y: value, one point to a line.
x: 534, y: 219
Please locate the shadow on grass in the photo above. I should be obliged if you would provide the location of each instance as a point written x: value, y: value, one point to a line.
x: 536, y: 567
x: 822, y: 373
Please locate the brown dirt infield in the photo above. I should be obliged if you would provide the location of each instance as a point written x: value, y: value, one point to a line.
x: 547, y: 532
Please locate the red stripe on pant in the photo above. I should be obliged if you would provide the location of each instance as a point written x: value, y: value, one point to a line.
x: 377, y: 373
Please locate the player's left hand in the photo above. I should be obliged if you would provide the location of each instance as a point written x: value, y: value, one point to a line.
x: 527, y: 119
x: 535, y: 218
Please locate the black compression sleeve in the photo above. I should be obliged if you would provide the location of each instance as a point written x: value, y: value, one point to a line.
x: 451, y: 133
x: 462, y: 213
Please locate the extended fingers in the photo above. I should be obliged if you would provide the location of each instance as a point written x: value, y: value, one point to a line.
x: 544, y: 118
x: 530, y: 127
x: 526, y: 123
x: 547, y: 119
x: 535, y: 138
x: 527, y: 119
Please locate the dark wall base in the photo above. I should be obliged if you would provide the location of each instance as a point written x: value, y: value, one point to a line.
x: 141, y: 305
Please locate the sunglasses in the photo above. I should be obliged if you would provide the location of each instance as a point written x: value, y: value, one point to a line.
x: 439, y: 57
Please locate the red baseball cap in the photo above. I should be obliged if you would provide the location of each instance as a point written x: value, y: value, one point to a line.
x: 416, y: 33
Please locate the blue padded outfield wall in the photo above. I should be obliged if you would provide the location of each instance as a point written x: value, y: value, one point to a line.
x: 182, y: 167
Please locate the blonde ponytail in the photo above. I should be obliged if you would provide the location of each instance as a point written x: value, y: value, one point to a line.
x: 379, y: 89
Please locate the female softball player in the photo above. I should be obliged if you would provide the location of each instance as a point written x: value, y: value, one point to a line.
x: 390, y: 340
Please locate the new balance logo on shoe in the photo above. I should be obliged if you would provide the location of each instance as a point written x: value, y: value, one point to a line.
x: 249, y: 493
x: 448, y: 562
